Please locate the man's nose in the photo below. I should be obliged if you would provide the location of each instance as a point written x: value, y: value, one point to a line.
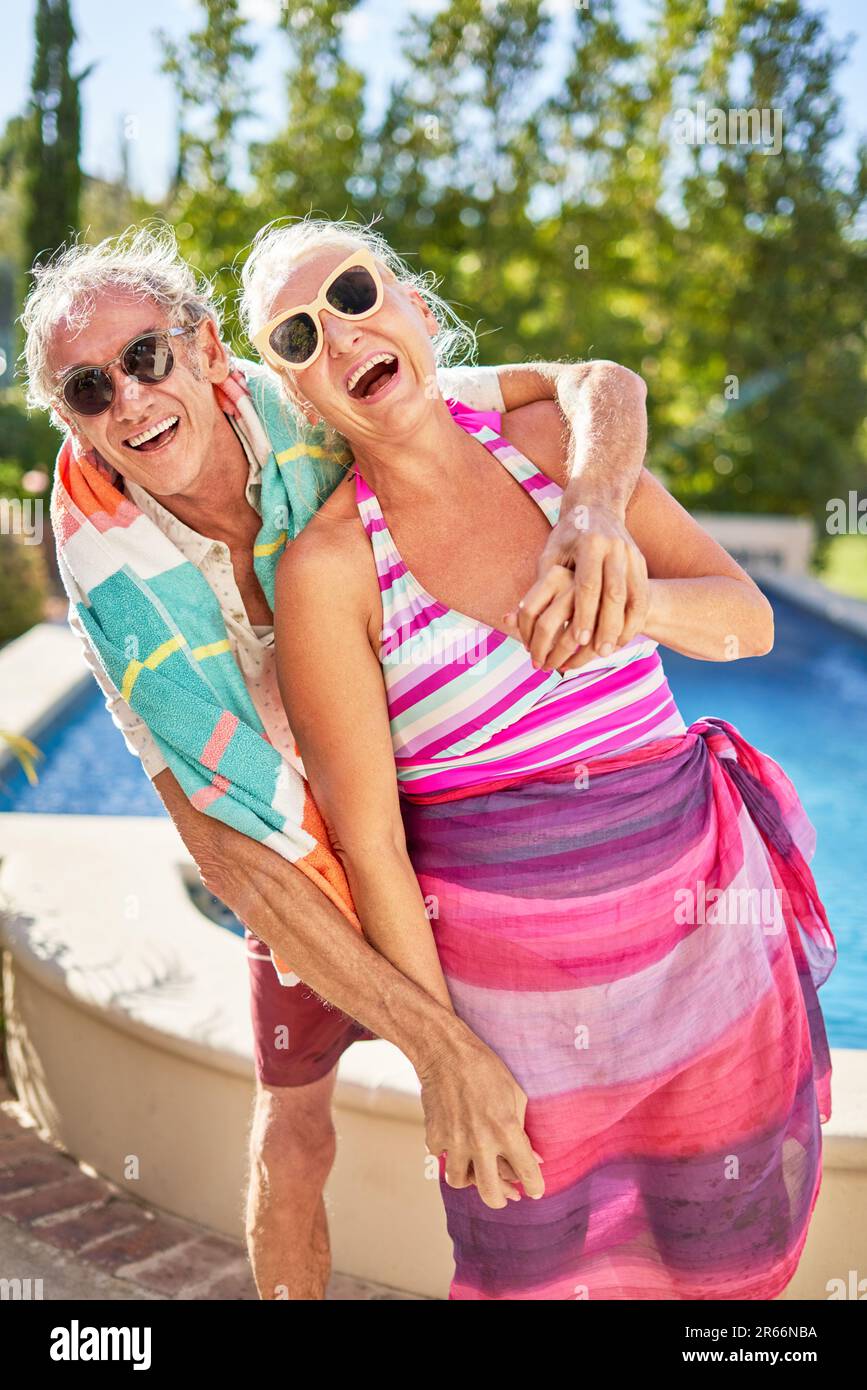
x: 129, y: 394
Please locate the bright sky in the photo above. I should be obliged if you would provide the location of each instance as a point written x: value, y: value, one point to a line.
x: 121, y: 41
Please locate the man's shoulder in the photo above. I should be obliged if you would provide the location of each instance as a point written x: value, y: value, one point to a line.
x: 255, y: 372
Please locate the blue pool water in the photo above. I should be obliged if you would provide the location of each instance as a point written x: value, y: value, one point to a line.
x: 805, y: 704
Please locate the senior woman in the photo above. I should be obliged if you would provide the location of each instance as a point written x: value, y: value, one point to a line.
x: 619, y: 905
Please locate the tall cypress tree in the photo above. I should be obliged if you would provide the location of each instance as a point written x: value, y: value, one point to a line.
x: 52, y: 146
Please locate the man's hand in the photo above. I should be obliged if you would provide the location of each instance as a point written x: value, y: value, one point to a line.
x: 591, y: 593
x: 474, y: 1113
x: 600, y: 601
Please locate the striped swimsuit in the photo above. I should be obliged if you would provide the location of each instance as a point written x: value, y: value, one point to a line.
x: 465, y: 703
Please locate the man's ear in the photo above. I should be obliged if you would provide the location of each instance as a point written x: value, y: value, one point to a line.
x: 69, y: 421
x: 214, y: 350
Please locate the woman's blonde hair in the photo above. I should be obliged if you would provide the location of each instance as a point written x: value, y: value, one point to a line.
x: 282, y: 245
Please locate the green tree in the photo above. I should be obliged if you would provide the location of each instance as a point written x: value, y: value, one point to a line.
x: 313, y: 162
x: 453, y: 166
x: 772, y: 281
x: 599, y: 211
x: 566, y: 214
x: 211, y: 214
x: 51, y: 144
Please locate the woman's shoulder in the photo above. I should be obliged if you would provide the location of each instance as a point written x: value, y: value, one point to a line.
x: 330, y: 557
x: 539, y: 432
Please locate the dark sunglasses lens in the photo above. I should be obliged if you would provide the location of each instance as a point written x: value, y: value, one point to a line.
x: 294, y: 339
x: 353, y: 292
x: 88, y: 392
x: 149, y: 358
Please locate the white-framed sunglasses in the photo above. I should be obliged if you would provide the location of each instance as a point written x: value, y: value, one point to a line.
x: 294, y: 338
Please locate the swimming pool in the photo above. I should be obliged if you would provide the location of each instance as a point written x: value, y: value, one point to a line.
x: 805, y: 704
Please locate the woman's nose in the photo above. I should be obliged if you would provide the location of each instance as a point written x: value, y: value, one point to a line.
x: 341, y: 335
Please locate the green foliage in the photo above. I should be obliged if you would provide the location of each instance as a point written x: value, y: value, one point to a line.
x: 212, y: 218
x: 312, y: 162
x: 51, y: 132
x: 769, y: 283
x: 534, y: 164
x: 23, y: 586
x: 27, y: 442
x: 845, y: 566
x: 30, y: 440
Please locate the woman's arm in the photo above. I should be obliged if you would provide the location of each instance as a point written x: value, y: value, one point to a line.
x: 331, y: 683
x: 699, y: 601
x: 332, y: 688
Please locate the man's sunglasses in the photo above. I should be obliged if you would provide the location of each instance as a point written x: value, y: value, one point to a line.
x: 148, y: 358
x: 295, y: 338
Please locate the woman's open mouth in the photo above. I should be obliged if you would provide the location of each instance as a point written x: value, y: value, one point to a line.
x: 372, y: 378
x: 156, y: 437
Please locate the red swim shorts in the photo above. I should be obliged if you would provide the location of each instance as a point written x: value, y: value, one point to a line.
x: 296, y: 1037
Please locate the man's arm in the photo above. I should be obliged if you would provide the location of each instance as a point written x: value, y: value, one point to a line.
x: 467, y: 1092
x: 604, y: 405
x: 605, y: 430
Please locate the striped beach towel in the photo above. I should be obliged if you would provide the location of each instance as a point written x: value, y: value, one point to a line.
x: 156, y: 628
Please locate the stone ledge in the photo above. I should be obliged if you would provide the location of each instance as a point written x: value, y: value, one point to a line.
x: 87, y: 1239
x: 132, y: 949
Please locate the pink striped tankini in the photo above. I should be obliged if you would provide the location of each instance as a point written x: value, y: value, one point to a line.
x: 624, y: 912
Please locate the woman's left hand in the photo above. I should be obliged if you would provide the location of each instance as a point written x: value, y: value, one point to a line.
x: 591, y: 594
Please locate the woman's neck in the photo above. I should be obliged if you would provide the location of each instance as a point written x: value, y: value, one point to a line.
x: 430, y: 451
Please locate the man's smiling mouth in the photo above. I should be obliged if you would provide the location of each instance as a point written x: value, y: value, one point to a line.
x: 156, y: 436
x: 372, y: 376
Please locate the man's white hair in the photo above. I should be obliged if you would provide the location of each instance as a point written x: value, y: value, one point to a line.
x: 280, y: 246
x: 143, y: 261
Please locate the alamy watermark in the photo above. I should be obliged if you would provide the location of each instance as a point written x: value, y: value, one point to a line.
x: 20, y: 1289
x: 23, y: 516
x: 450, y: 645
x: 755, y: 125
x: 733, y: 907
x: 847, y: 516
x: 77, y: 1343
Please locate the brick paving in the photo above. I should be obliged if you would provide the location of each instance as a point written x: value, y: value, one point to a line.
x: 68, y: 1225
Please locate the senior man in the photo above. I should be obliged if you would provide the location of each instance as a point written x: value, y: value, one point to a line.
x: 123, y: 345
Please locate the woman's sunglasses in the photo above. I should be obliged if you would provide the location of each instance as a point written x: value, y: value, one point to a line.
x: 148, y: 358
x: 295, y: 338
